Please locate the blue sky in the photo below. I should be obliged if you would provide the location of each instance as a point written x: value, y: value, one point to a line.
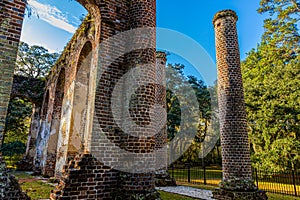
x: 59, y: 19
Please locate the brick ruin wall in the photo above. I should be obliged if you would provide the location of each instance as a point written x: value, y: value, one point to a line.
x: 59, y: 92
x: 74, y: 101
x: 62, y: 136
x: 77, y: 97
x: 32, y: 90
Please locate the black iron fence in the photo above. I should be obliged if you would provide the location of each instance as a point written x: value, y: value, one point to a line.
x: 287, y: 182
x: 283, y: 183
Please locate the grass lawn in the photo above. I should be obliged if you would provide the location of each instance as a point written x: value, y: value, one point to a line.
x: 36, y: 189
x: 171, y: 196
x: 22, y: 175
x: 272, y: 196
x: 270, y: 183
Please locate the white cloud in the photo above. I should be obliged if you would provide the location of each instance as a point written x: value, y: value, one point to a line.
x: 52, y: 15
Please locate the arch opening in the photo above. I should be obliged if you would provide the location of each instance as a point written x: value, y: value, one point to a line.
x: 79, y: 121
x: 50, y: 149
x: 19, y: 128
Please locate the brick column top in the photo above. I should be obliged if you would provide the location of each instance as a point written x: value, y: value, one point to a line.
x: 224, y: 14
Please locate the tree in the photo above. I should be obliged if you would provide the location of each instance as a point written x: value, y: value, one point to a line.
x: 271, y: 75
x: 18, y: 120
x: 16, y: 130
x: 188, y: 86
x: 34, y: 61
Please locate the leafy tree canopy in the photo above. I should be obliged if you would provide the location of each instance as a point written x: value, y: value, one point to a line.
x: 189, y: 86
x: 34, y: 61
x: 271, y: 75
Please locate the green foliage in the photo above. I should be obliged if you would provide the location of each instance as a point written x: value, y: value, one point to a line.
x: 281, y: 27
x: 16, y: 130
x: 34, y: 61
x: 13, y: 148
x: 176, y: 79
x: 238, y: 184
x: 271, y: 75
x: 18, y: 121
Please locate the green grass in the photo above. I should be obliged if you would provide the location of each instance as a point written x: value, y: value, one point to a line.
x: 271, y: 196
x: 281, y: 197
x: 271, y: 183
x: 37, y: 189
x: 171, y: 196
x: 22, y: 175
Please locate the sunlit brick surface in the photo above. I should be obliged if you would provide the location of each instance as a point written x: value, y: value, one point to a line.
x: 233, y: 125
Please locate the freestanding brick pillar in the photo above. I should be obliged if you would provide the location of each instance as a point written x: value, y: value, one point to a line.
x: 162, y: 178
x: 236, y: 164
x: 234, y: 138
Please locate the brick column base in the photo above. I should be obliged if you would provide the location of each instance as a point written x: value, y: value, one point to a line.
x: 239, y: 189
x: 86, y: 178
x: 222, y: 194
x: 9, y: 186
x: 151, y: 194
x: 163, y: 179
x: 130, y: 186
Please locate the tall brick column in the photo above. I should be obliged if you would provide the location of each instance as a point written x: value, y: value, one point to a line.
x: 162, y: 178
x: 233, y: 124
x: 142, y: 14
x: 11, y: 20
x: 236, y: 164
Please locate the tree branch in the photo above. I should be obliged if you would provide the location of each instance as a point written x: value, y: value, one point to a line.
x: 297, y: 6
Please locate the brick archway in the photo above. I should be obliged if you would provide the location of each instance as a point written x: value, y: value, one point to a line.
x: 79, y: 121
x: 33, y: 90
x: 52, y: 124
x: 107, y: 18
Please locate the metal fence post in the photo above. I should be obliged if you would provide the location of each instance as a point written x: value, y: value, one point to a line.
x: 204, y: 174
x: 189, y: 173
x: 256, y: 176
x: 294, y: 182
